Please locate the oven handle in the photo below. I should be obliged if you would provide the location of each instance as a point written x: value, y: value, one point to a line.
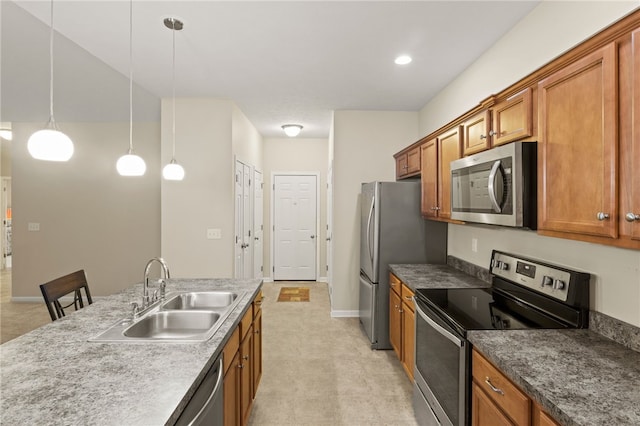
x: 455, y: 339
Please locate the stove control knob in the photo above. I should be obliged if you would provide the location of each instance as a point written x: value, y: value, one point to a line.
x: 558, y: 284
x: 497, y: 264
x: 547, y: 281
x: 504, y: 266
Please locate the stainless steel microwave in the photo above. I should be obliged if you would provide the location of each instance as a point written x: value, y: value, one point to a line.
x: 496, y: 187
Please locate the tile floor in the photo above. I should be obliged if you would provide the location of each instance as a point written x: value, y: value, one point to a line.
x: 318, y: 370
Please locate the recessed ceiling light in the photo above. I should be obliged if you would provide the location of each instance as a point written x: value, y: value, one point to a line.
x: 403, y: 60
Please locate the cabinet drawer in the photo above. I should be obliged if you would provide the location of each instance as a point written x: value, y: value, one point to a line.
x: 505, y: 394
x: 257, y: 303
x: 230, y: 349
x: 245, y: 323
x: 395, y: 283
x: 407, y: 297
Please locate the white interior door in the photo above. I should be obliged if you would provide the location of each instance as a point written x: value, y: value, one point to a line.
x: 329, y: 222
x: 243, y: 247
x: 238, y: 243
x: 258, y: 224
x: 295, y: 225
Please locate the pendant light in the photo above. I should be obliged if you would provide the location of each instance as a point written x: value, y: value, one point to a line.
x: 50, y: 144
x: 173, y: 170
x: 130, y: 164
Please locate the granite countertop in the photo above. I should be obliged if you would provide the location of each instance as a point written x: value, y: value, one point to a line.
x: 54, y: 375
x: 435, y: 276
x: 577, y: 376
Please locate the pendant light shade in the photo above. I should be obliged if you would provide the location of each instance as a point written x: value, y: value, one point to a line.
x: 50, y: 144
x: 131, y: 164
x: 173, y: 170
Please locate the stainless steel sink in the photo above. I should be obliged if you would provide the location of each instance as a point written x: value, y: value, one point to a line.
x: 201, y: 300
x: 174, y: 325
x: 184, y: 317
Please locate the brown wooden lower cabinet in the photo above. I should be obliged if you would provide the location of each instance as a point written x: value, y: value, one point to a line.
x: 496, y: 401
x: 402, y: 323
x: 242, y: 360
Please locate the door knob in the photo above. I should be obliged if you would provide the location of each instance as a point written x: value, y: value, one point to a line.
x: 631, y: 217
x: 313, y: 236
x: 328, y: 238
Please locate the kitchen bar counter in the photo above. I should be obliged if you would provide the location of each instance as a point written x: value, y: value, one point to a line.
x: 577, y: 376
x: 53, y: 375
x: 435, y: 276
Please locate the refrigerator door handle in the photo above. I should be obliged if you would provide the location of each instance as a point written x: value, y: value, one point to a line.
x: 369, y: 245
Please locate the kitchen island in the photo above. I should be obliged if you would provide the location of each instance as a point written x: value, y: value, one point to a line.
x: 54, y: 375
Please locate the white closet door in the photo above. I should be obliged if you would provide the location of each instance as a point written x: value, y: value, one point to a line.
x: 258, y: 224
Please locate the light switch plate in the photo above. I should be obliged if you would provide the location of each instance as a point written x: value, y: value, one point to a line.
x: 214, y: 233
x: 33, y: 226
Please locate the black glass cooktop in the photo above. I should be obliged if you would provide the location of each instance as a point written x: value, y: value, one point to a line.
x: 489, y: 309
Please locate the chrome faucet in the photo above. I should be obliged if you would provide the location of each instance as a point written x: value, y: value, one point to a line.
x: 146, y: 299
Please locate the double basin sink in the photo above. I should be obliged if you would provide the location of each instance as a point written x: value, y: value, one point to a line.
x: 182, y: 317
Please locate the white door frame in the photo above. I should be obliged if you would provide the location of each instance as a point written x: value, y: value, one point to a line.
x: 245, y: 253
x: 272, y: 221
x: 258, y: 234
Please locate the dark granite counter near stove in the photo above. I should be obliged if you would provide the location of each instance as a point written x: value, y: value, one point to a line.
x: 577, y: 376
x: 435, y: 276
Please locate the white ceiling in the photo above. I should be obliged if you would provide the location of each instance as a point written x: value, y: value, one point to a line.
x: 280, y: 62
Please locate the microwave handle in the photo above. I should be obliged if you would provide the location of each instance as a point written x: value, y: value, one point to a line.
x: 492, y: 187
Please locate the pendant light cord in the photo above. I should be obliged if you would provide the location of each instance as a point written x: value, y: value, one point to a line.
x: 173, y: 84
x: 130, y: 76
x: 51, y: 120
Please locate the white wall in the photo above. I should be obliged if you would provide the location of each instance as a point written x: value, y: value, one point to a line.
x: 550, y: 29
x: 295, y: 155
x: 204, y: 199
x: 363, y: 146
x: 247, y: 142
x: 90, y: 217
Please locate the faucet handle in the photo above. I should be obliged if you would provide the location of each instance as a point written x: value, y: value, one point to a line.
x: 163, y: 289
x: 135, y: 310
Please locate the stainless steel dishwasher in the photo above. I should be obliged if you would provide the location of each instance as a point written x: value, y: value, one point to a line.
x: 206, y: 406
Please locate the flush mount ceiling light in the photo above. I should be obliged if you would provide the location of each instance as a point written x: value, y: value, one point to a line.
x: 173, y: 170
x: 50, y: 144
x: 403, y: 60
x: 292, y: 130
x: 130, y: 164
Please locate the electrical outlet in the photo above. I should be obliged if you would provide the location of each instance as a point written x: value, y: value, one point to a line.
x: 33, y: 226
x: 474, y: 245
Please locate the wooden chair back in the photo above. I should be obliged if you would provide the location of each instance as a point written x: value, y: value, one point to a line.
x: 60, y: 287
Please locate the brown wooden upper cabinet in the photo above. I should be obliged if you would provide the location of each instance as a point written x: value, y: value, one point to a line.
x: 577, y: 147
x: 630, y: 155
x: 506, y: 121
x: 408, y: 163
x: 437, y: 154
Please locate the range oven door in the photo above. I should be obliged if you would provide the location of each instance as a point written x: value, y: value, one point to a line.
x: 442, y: 362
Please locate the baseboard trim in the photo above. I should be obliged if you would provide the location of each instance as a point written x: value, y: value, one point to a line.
x: 323, y: 280
x: 344, y: 314
x: 267, y: 279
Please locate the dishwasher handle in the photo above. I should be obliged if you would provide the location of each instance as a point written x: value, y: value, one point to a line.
x: 211, y: 411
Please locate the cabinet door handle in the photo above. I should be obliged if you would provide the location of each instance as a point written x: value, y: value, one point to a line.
x: 493, y: 388
x: 492, y: 133
x: 246, y: 357
x: 631, y: 217
x: 483, y: 137
x: 602, y: 216
x: 408, y: 297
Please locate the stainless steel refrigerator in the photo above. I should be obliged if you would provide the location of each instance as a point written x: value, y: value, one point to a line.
x: 392, y: 230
